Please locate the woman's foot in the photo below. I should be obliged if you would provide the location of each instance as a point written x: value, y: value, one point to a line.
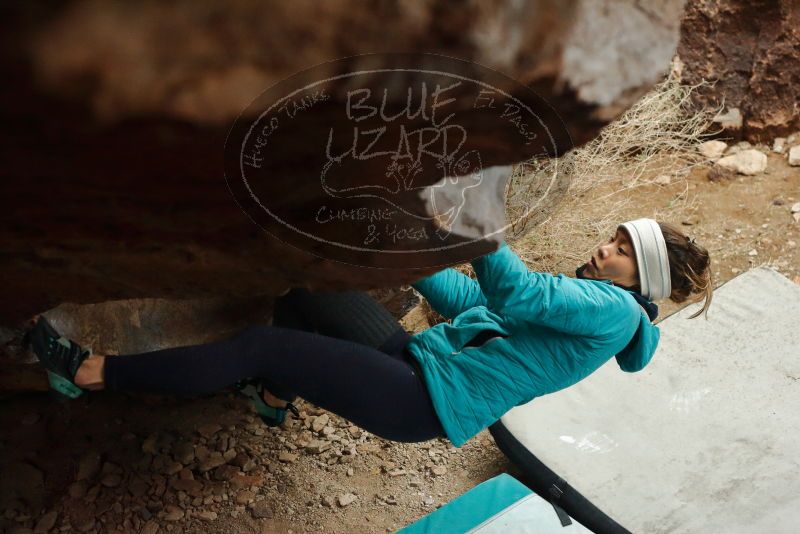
x: 270, y: 408
x: 273, y: 401
x: 61, y: 357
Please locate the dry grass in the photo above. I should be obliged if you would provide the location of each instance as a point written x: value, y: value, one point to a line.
x: 579, y: 199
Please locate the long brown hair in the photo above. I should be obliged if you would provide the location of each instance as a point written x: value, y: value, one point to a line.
x: 689, y: 268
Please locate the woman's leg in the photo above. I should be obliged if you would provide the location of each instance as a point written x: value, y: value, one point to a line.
x: 349, y: 315
x: 377, y: 392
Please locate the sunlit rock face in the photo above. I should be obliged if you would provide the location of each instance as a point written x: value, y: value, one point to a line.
x: 749, y: 51
x: 117, y: 178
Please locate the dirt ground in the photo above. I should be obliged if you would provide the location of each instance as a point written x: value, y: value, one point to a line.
x: 114, y: 463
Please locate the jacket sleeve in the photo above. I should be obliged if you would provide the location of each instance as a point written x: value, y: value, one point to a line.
x: 450, y: 292
x: 557, y: 302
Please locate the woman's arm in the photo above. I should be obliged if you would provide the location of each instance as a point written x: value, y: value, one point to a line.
x: 558, y: 302
x: 450, y: 292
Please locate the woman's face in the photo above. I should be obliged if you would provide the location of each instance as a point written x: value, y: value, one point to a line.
x: 614, y: 260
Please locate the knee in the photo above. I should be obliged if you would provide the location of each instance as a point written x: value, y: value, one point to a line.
x: 256, y: 334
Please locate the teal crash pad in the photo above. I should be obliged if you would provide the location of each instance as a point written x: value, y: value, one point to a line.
x: 499, y: 505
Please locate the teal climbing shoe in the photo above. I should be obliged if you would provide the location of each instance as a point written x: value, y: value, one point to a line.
x: 253, y: 389
x: 61, y: 357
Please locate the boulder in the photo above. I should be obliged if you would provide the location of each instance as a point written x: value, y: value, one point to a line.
x: 748, y: 50
x: 116, y: 139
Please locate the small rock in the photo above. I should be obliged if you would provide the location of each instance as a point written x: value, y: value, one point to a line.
x: 77, y: 489
x: 92, y: 494
x: 794, y: 156
x: 262, y: 510
x: 183, y: 452
x: 753, y: 252
x: 387, y: 466
x: 428, y: 501
x: 328, y: 501
x: 89, y: 466
x: 208, y: 430
x: 241, y: 459
x: 365, y: 448
x: 320, y: 422
x: 318, y: 446
x: 111, y: 480
x: 748, y: 162
x: 46, y: 522
x: 796, y: 207
x: 439, y: 470
x: 225, y: 472
x: 664, y: 179
x: 85, y: 525
x: 213, y: 461
x: 172, y: 468
x: 111, y: 468
x: 712, y: 149
x: 173, y: 513
x: 151, y: 527
x: 346, y: 499
x: 240, y: 481
x: 720, y: 174
x: 206, y: 515
x: 286, y: 457
x: 201, y: 452
x: 244, y: 497
x: 779, y: 145
x: 397, y: 472
x: 350, y: 472
x: 192, y: 487
x: 138, y: 487
x: 150, y: 446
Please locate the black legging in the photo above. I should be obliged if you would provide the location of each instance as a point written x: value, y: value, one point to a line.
x: 323, y: 347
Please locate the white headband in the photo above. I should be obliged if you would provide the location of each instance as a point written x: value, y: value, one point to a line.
x: 651, y: 257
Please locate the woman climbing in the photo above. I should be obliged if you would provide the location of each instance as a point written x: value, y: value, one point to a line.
x: 515, y: 335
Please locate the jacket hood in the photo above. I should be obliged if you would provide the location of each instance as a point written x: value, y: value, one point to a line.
x: 641, y: 348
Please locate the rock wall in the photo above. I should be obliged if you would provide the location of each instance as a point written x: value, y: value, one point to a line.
x: 749, y: 50
x: 116, y: 116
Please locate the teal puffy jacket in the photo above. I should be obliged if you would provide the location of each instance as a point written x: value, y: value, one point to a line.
x: 552, y: 331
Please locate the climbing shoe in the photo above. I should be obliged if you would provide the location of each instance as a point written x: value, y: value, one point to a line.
x: 60, y: 356
x: 253, y: 388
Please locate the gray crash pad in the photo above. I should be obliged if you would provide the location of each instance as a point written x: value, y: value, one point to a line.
x: 706, y: 438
